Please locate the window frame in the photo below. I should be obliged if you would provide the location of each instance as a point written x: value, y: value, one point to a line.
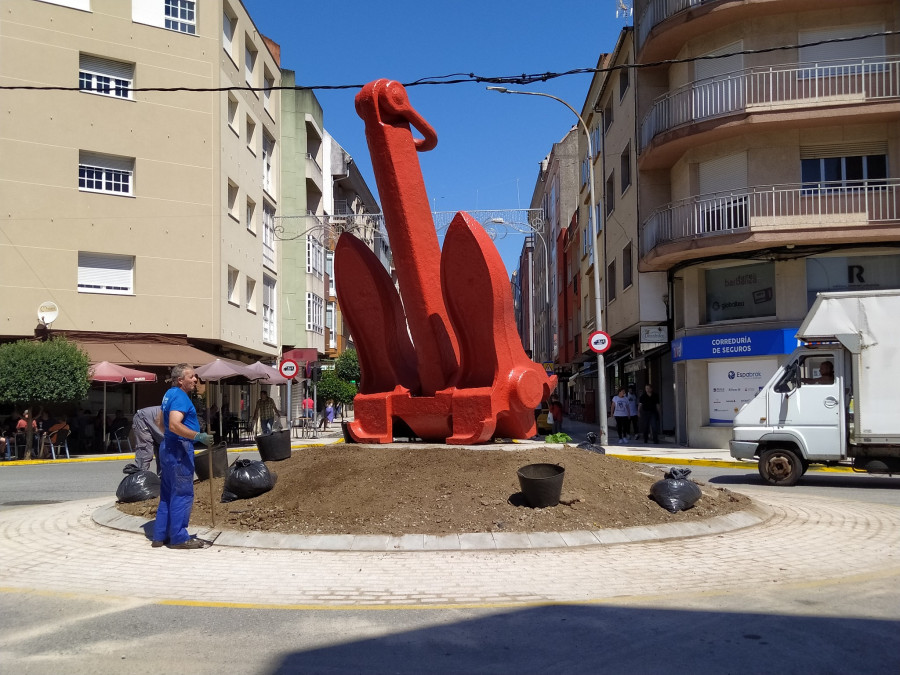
x: 816, y: 185
x: 270, y: 310
x: 232, y: 278
x: 180, y: 22
x: 610, y: 193
x: 109, y: 167
x: 117, y: 86
x: 268, y: 238
x: 315, y: 313
x: 611, y: 282
x: 250, y: 294
x: 627, y: 265
x: 232, y: 195
x: 229, y: 19
x: 624, y: 83
x: 95, y: 273
x: 625, y: 169
x: 251, y: 59
x: 268, y: 162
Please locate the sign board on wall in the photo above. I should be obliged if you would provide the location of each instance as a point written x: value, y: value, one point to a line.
x: 654, y: 334
x: 734, y: 345
x: 734, y: 383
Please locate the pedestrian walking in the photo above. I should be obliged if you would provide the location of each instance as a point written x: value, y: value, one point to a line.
x: 619, y: 411
x: 648, y: 407
x: 181, y: 428
x: 633, y: 413
x: 147, y: 437
x: 327, y: 415
x: 266, y: 412
x: 557, y: 411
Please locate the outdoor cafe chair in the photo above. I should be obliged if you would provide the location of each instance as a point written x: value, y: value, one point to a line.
x: 61, y: 444
x: 121, y: 438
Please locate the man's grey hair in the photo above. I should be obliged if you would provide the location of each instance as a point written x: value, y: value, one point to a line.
x: 178, y: 371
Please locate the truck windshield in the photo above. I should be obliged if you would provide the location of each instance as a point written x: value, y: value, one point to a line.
x: 788, y: 381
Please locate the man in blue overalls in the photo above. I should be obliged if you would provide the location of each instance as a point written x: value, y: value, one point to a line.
x: 178, y: 419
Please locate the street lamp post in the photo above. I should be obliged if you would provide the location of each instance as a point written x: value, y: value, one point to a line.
x: 592, y: 220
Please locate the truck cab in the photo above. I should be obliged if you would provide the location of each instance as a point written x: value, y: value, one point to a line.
x: 799, y: 416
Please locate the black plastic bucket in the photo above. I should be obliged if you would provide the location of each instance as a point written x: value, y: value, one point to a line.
x: 275, y: 446
x: 541, y: 484
x: 220, y: 461
x: 345, y: 429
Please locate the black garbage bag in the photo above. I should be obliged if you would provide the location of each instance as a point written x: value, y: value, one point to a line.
x: 675, y: 492
x: 591, y: 444
x: 247, y: 478
x: 137, y: 486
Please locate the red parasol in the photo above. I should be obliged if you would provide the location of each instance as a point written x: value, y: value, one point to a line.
x: 111, y: 372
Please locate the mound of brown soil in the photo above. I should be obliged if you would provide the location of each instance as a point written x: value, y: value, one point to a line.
x: 357, y: 489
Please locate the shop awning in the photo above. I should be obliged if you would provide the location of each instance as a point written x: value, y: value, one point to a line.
x: 145, y: 353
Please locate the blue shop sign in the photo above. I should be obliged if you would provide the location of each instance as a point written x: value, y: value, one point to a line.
x: 734, y: 345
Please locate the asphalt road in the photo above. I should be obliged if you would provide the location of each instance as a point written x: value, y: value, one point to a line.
x: 795, y: 626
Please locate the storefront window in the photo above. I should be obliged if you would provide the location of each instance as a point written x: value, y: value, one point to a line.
x: 856, y: 273
x: 744, y: 292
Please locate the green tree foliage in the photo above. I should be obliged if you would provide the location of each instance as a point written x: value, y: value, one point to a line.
x: 333, y: 387
x: 347, y: 366
x: 42, y: 373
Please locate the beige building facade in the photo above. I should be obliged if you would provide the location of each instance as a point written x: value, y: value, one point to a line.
x: 768, y: 165
x: 140, y: 213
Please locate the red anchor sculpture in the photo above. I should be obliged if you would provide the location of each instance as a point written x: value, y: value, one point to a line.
x: 442, y: 355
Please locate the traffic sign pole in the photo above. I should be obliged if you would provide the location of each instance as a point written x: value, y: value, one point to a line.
x: 288, y: 369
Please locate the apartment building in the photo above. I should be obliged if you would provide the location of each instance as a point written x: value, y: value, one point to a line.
x: 146, y: 216
x: 523, y: 290
x: 301, y: 222
x: 768, y: 160
x: 634, y: 302
x: 555, y: 197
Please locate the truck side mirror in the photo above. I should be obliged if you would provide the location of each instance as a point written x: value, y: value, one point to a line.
x: 789, y: 380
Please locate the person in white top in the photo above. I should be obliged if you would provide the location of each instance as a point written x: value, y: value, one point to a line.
x: 619, y: 411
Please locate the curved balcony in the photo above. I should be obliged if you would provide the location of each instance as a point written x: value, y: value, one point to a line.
x: 658, y: 11
x: 766, y: 88
x: 774, y: 209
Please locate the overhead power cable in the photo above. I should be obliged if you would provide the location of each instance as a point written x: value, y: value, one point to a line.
x: 472, y: 78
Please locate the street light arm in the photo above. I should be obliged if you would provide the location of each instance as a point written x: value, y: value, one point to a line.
x: 592, y: 221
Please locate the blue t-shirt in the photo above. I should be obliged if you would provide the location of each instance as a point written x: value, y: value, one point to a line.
x: 176, y: 399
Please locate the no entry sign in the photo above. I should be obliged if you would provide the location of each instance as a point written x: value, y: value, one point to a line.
x: 599, y: 341
x: 288, y: 368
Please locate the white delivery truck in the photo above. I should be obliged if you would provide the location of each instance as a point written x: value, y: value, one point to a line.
x: 837, y: 398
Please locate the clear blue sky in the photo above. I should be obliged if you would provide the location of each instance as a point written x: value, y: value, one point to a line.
x: 489, y: 144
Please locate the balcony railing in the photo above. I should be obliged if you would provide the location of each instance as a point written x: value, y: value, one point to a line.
x: 658, y: 11
x: 774, y: 87
x: 774, y: 208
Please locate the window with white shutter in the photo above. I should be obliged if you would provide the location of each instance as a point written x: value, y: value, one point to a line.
x: 819, y: 45
x: 97, y: 75
x: 105, y: 173
x: 105, y: 273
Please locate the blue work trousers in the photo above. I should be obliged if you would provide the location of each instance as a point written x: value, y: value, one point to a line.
x: 176, y: 491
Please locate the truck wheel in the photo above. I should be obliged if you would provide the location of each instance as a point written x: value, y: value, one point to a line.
x: 779, y: 466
